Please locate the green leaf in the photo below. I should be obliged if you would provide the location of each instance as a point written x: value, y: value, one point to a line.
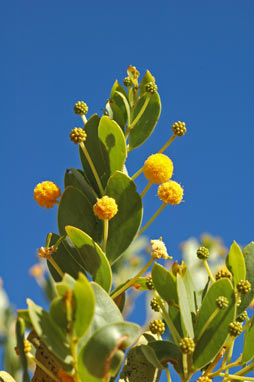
x: 216, y: 333
x: 67, y: 259
x: 151, y: 356
x: 95, y: 150
x: 119, y: 104
x: 174, y: 314
x: 50, y: 334
x: 189, y: 287
x: 164, y: 351
x: 76, y: 210
x: 235, y: 263
x: 24, y: 314
x: 248, y: 253
x: 93, y: 258
x: 145, y: 80
x: 248, y: 349
x: 67, y: 282
x: 146, y: 124
x: 113, y: 141
x: 76, y: 179
x: 115, y: 113
x: 125, y: 224
x: 137, y: 368
x: 165, y: 284
x: 184, y: 306
x: 58, y: 312
x: 103, y: 354
x: 84, y: 305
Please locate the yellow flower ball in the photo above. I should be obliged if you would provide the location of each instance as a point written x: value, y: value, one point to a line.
x: 46, y: 193
x: 105, y: 208
x: 158, y: 168
x: 170, y: 192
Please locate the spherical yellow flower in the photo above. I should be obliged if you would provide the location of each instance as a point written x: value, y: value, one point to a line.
x: 158, y: 168
x: 170, y: 192
x: 105, y: 208
x: 46, y: 193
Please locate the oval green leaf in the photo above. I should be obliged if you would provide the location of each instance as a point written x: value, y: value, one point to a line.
x: 104, y: 352
x: 76, y: 179
x: 125, y: 224
x: 146, y: 124
x: 67, y: 259
x: 95, y: 150
x: 184, y: 306
x: 248, y: 348
x: 235, y: 263
x: 84, y: 305
x: 248, y: 253
x: 165, y: 284
x: 145, y: 80
x: 216, y: 333
x: 93, y: 258
x: 114, y: 145
x: 52, y: 336
x: 76, y: 210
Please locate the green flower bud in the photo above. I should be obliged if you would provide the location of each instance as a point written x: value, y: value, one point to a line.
x: 179, y: 128
x: 223, y: 273
x: 243, y: 316
x: 127, y: 82
x: 80, y: 108
x: 235, y: 329
x: 149, y: 283
x: 203, y: 253
x: 157, y: 326
x: 187, y: 345
x: 77, y: 135
x: 243, y: 286
x: 155, y: 304
x: 151, y: 87
x: 222, y: 302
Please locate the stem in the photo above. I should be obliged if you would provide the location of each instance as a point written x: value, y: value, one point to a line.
x: 237, y: 377
x: 152, y: 219
x: 216, y: 373
x: 105, y: 234
x: 132, y: 281
x: 84, y: 118
x: 56, y: 266
x: 245, y: 369
x: 213, y: 364
x: 145, y: 189
x: 73, y: 340
x: 42, y: 367
x: 171, y: 326
x: 48, y: 240
x: 137, y: 173
x: 133, y: 123
x: 83, y: 147
x: 168, y: 374
x: 208, y: 271
x: 167, y: 144
x: 223, y: 365
x: 246, y: 325
x: 210, y: 319
x: 185, y: 365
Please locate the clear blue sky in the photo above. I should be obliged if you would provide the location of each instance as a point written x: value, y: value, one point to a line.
x: 57, y: 52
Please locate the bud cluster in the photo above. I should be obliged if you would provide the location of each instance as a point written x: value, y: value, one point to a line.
x: 223, y: 273
x: 157, y: 327
x: 203, y: 253
x: 77, y: 135
x: 80, y: 108
x: 222, y: 302
x: 149, y: 283
x: 235, y: 329
x: 155, y: 305
x: 187, y: 345
x: 179, y: 128
x: 243, y: 286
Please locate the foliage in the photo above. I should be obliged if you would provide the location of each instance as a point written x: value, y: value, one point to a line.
x: 85, y: 335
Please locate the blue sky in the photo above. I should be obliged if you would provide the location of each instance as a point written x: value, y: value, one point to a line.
x: 57, y: 52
